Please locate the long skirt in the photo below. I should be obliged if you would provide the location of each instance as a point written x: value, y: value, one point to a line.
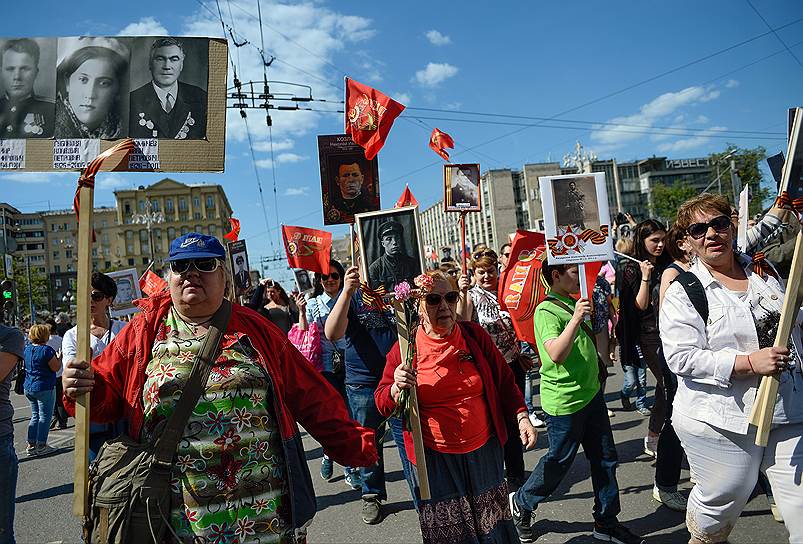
x: 469, y: 498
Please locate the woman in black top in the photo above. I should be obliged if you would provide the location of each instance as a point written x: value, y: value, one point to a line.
x: 271, y: 300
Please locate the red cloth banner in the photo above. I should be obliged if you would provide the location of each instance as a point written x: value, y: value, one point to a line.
x: 369, y: 116
x: 307, y: 248
x: 406, y: 198
x: 234, y: 234
x: 439, y: 141
x: 521, y: 287
x: 151, y: 284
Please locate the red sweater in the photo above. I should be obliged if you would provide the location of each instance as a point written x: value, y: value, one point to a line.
x: 300, y: 393
x: 503, y: 396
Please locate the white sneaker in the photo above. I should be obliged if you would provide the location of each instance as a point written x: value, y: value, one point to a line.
x: 651, y: 446
x: 672, y: 500
x: 611, y: 413
x: 536, y: 421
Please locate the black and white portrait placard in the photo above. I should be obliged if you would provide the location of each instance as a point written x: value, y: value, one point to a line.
x: 349, y: 182
x: 461, y: 187
x: 128, y: 290
x: 239, y: 267
x: 303, y: 281
x: 391, y: 248
x: 27, y: 87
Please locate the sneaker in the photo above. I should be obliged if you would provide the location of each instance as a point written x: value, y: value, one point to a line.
x: 327, y: 467
x: 644, y: 411
x: 44, y: 449
x: 354, y: 479
x: 371, y: 510
x: 611, y: 413
x: 522, y: 519
x: 627, y: 406
x: 537, y: 422
x: 616, y: 533
x: 31, y: 450
x: 674, y: 500
x: 651, y: 446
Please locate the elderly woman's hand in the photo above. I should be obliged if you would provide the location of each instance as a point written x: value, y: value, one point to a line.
x: 768, y: 361
x: 77, y: 378
x: 403, y: 378
x: 464, y: 283
x: 527, y: 432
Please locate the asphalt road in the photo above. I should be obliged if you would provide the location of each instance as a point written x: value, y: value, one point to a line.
x: 45, y: 487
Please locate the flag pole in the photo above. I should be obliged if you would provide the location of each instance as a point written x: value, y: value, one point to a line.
x: 463, y: 240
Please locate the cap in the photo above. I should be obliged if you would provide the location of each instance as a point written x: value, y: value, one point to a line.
x: 195, y: 245
x: 390, y: 226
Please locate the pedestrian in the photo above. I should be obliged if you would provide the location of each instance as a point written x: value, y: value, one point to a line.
x: 41, y: 364
x: 483, y: 307
x: 327, y: 290
x: 604, y: 313
x: 12, y: 348
x: 466, y: 397
x: 719, y: 360
x: 103, y: 329
x: 59, y: 413
x: 240, y: 468
x: 271, y: 301
x: 369, y: 330
x: 572, y: 398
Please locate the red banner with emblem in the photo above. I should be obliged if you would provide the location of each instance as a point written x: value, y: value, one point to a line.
x: 307, y: 248
x: 151, y: 284
x: 439, y: 141
x: 369, y: 116
x: 234, y: 234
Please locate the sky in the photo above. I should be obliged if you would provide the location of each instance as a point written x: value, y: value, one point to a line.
x: 518, y: 83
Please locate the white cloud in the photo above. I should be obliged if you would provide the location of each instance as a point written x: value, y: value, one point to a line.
x: 39, y: 177
x: 404, y: 98
x: 280, y: 145
x: 435, y: 73
x: 296, y: 191
x: 281, y: 158
x: 731, y: 83
x: 114, y: 181
x: 436, y: 38
x: 690, y: 143
x: 453, y: 105
x: 147, y: 26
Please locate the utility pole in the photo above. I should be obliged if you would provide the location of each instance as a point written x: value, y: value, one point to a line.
x: 30, y: 289
x: 617, y: 187
x: 735, y: 183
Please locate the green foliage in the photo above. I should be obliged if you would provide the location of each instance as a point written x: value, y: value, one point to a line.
x: 747, y: 168
x: 40, y: 289
x: 666, y: 199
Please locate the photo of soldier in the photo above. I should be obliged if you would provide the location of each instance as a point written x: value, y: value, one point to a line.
x: 349, y: 182
x: 28, y: 88
x: 391, y: 246
x: 461, y: 187
x: 576, y: 203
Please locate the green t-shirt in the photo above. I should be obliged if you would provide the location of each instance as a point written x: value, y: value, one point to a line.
x: 569, y: 386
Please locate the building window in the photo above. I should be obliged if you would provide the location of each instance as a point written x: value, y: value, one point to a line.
x: 56, y: 255
x: 155, y: 205
x: 169, y: 205
x: 212, y: 230
x: 184, y: 230
x: 196, y: 215
x: 130, y: 248
x: 210, y: 202
x: 141, y: 205
x: 171, y: 233
x: 70, y: 268
x: 58, y: 281
x: 129, y: 235
x: 210, y: 214
x: 130, y: 262
x: 68, y: 253
x: 126, y: 207
x: 145, y: 260
x: 196, y: 202
x: 182, y: 204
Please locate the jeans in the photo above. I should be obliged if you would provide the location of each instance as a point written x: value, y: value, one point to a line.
x: 635, y: 377
x: 363, y: 409
x: 41, y: 414
x: 337, y: 381
x: 8, y: 488
x: 591, y: 428
x: 528, y: 389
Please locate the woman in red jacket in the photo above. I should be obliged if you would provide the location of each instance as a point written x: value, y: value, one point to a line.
x: 240, y: 467
x: 466, y: 393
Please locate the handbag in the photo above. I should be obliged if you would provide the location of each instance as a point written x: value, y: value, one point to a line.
x: 308, y: 342
x: 129, y: 482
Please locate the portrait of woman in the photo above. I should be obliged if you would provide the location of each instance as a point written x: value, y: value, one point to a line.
x: 90, y: 79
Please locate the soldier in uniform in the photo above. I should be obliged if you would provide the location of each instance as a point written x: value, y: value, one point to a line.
x: 166, y: 107
x: 22, y: 113
x: 350, y: 197
x: 394, y: 266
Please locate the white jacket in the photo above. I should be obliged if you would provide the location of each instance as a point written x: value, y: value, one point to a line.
x: 703, y: 354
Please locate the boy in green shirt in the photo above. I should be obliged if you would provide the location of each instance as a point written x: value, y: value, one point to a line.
x: 576, y: 413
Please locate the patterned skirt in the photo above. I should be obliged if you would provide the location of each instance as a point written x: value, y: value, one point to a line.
x: 469, y: 498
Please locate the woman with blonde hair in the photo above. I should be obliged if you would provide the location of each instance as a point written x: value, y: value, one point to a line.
x: 41, y: 364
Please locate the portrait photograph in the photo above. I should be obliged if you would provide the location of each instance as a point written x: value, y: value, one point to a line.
x: 303, y: 281
x: 169, y: 83
x: 349, y: 182
x: 576, y: 218
x: 461, y: 187
x: 27, y: 87
x: 391, y: 248
x: 92, y: 88
x: 128, y: 290
x: 238, y: 257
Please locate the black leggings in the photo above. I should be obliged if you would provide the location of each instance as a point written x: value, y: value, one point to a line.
x: 670, y: 451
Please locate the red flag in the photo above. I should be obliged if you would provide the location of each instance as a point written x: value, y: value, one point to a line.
x: 406, y: 198
x: 151, y: 284
x: 369, y: 116
x: 592, y: 271
x: 307, y: 248
x: 521, y: 287
x: 235, y: 230
x: 439, y: 141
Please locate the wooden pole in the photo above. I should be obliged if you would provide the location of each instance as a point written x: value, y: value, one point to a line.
x: 80, y: 506
x: 351, y: 244
x: 463, y: 241
x: 403, y: 328
x: 616, y: 187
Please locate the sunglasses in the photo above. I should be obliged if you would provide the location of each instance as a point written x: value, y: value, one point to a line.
x: 485, y: 253
x: 97, y: 296
x: 434, y: 299
x: 719, y: 224
x: 201, y: 265
x: 334, y: 275
x: 506, y: 255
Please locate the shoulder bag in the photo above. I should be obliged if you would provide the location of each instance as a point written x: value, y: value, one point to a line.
x: 129, y: 482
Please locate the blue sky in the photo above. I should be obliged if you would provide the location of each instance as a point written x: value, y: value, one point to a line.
x: 518, y: 58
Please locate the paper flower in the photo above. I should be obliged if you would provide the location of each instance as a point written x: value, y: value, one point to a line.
x: 424, y: 282
x: 402, y: 291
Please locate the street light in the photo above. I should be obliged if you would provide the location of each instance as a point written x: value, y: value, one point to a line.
x: 148, y: 218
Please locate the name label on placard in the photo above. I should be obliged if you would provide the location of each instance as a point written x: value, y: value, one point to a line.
x: 12, y: 154
x: 74, y: 153
x: 145, y: 155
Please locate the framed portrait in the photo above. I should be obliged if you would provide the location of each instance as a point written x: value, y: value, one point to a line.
x: 303, y: 280
x: 391, y: 248
x: 349, y: 182
x: 27, y: 87
x: 461, y: 187
x: 238, y: 258
x: 127, y: 282
x: 576, y: 218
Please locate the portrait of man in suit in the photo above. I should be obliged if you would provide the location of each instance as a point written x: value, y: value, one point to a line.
x: 242, y: 278
x: 166, y: 106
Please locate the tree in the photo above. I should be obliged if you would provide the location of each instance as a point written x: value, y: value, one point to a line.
x: 747, y: 168
x: 40, y: 289
x: 666, y: 199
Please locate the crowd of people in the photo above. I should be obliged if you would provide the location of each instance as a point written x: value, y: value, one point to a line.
x: 680, y: 303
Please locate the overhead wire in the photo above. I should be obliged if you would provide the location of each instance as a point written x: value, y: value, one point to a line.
x: 777, y: 36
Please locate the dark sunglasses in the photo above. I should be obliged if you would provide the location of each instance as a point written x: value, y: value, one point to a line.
x: 719, y: 224
x: 97, y: 296
x: 485, y: 253
x: 434, y: 299
x: 334, y: 275
x: 201, y: 265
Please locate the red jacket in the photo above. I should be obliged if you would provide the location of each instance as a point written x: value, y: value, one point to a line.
x: 300, y: 394
x: 503, y: 396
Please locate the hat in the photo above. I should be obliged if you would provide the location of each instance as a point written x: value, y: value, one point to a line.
x: 195, y: 245
x: 390, y: 226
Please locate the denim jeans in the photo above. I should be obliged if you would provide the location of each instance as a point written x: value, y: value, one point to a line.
x: 635, y: 377
x: 591, y: 428
x: 528, y: 389
x: 42, y: 403
x: 336, y: 381
x: 8, y: 488
x: 363, y: 409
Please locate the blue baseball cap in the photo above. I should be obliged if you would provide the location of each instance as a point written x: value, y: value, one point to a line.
x: 195, y: 245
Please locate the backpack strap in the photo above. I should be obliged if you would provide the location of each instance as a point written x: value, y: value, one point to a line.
x: 694, y: 290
